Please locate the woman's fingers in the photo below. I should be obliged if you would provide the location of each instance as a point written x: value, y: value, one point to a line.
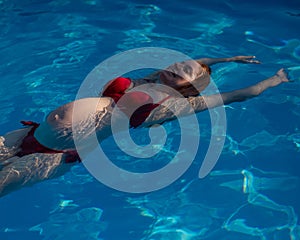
x: 283, y: 75
x: 247, y: 59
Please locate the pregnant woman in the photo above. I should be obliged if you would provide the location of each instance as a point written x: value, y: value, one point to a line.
x: 46, y: 150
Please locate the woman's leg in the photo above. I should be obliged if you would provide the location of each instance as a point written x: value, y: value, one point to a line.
x: 31, y: 169
x: 10, y: 143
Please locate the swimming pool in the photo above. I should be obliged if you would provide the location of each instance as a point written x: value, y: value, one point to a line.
x: 48, y: 47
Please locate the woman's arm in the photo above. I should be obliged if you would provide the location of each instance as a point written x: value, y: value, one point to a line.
x: 154, y: 77
x: 201, y: 103
x: 237, y: 59
x: 245, y: 93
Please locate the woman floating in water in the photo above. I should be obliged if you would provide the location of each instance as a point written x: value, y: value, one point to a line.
x: 42, y: 151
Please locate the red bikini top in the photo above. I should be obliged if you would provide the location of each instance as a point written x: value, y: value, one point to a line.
x: 117, y: 88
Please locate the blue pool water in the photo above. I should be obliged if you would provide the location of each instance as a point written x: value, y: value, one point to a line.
x: 48, y: 47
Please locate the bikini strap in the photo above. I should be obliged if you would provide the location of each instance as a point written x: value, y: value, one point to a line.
x: 30, y: 123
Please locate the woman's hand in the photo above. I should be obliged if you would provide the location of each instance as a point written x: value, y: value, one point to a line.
x: 244, y: 59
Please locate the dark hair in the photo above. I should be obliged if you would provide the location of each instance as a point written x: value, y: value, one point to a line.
x: 206, y: 67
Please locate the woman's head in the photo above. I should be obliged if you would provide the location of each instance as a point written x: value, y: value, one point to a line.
x: 188, y: 77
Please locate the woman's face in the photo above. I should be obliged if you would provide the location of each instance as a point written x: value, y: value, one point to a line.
x: 172, y: 79
x: 182, y: 85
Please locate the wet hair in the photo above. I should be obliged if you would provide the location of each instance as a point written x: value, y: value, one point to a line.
x: 200, y: 87
x: 206, y: 67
